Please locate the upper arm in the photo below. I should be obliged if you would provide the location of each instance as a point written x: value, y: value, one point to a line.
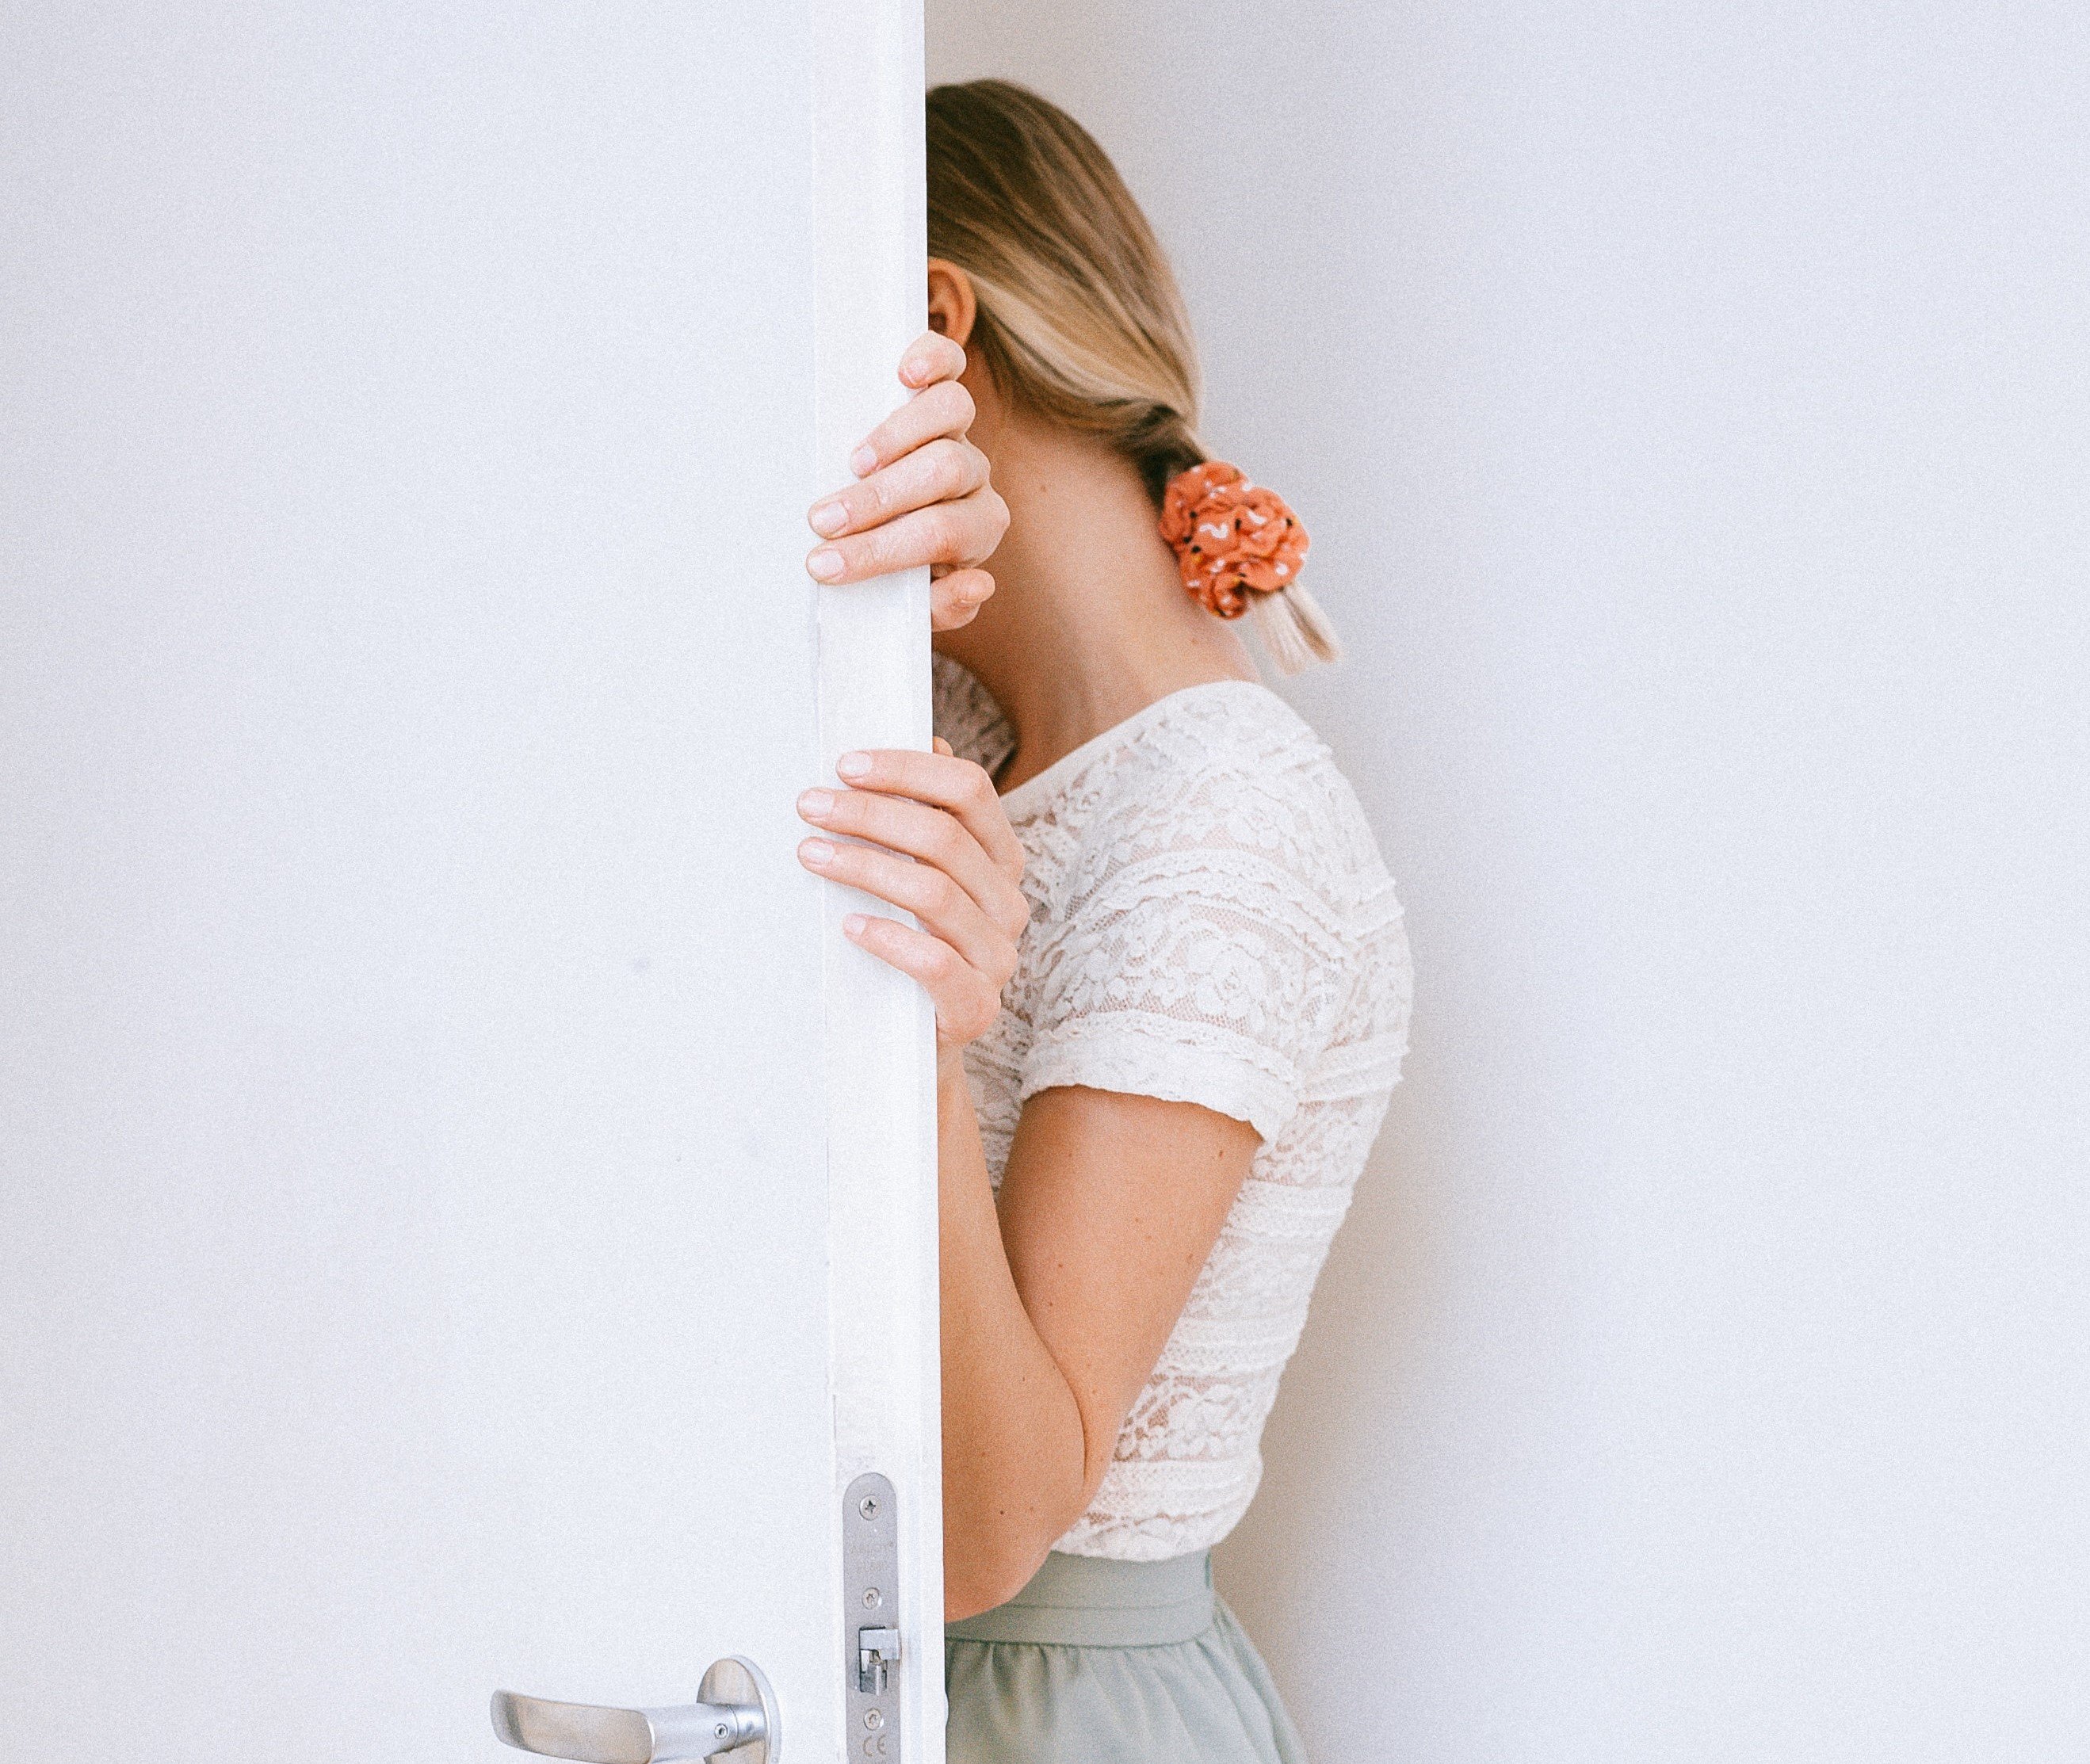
x: 1110, y: 1204
x: 1178, y: 1007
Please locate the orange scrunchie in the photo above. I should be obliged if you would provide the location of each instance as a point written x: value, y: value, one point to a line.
x: 1230, y: 534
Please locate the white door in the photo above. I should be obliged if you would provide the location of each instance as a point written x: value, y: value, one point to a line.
x: 430, y: 1090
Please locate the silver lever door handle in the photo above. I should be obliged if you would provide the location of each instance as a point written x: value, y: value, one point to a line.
x: 735, y: 1713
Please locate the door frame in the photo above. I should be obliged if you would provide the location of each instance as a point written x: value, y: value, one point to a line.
x: 870, y: 203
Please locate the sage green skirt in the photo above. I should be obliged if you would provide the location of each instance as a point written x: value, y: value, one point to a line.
x: 1098, y: 1662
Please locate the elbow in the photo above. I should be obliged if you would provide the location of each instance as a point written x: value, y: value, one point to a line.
x: 981, y: 1579
x: 988, y: 1562
x: 1005, y: 1510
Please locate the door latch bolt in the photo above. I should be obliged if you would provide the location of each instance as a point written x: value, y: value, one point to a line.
x: 877, y: 1650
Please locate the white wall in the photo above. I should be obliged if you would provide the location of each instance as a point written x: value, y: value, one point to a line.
x: 1691, y: 407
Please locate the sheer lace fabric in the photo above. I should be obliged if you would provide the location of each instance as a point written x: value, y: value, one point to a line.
x: 1210, y: 923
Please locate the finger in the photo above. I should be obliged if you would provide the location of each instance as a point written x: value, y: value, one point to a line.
x: 930, y: 357
x: 945, y: 408
x: 956, y: 598
x: 936, y: 836
x: 944, y: 783
x: 942, y: 470
x: 922, y: 889
x: 965, y: 1003
x: 963, y: 532
x: 939, y: 744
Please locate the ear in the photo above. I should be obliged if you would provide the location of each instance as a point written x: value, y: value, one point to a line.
x: 952, y: 304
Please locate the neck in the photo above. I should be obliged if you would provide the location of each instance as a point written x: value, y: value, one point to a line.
x: 1089, y: 622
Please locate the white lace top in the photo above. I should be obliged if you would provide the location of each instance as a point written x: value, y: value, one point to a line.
x: 1210, y: 923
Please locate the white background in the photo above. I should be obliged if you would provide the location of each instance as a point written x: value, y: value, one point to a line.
x: 1690, y: 405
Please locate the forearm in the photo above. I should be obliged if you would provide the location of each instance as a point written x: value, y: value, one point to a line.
x: 1014, y: 1456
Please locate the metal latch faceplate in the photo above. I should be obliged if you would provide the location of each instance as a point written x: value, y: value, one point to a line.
x: 871, y: 1618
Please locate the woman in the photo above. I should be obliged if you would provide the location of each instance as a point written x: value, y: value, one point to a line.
x: 1170, y: 981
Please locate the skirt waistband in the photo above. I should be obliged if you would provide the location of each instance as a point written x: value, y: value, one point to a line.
x: 1091, y: 1601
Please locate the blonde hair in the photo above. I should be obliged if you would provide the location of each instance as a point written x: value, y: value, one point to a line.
x: 1079, y: 321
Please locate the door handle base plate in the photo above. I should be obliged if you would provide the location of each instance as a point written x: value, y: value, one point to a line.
x: 737, y: 1679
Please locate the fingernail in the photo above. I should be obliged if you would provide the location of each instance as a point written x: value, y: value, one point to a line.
x: 825, y: 564
x: 828, y: 518
x: 862, y: 460
x: 853, y: 765
x: 815, y: 802
x: 853, y: 923
x: 815, y: 851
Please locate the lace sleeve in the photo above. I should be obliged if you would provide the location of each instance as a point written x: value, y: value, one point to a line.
x: 967, y: 717
x: 1196, y: 958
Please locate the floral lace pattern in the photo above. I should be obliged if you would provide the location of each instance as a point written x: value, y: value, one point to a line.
x: 1210, y: 923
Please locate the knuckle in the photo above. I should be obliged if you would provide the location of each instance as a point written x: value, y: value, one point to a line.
x: 940, y: 531
x: 916, y: 893
x: 946, y: 615
x: 948, y: 842
x: 878, y: 552
x: 950, y: 471
x: 897, y: 886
